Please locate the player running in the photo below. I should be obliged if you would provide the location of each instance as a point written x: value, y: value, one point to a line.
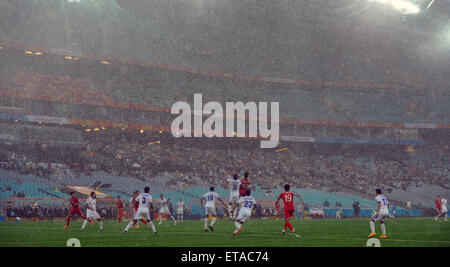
x: 289, y: 208
x: 246, y: 205
x: 120, y: 210
x: 91, y: 212
x: 164, y: 209
x: 381, y: 213
x: 244, y: 185
x: 441, y: 206
x: 75, y: 209
x: 145, y: 204
x: 180, y: 210
x: 234, y: 196
x: 210, y: 207
x: 134, y: 205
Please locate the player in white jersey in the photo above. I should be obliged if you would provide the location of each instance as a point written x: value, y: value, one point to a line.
x: 443, y: 210
x: 381, y: 213
x: 91, y: 212
x: 234, y: 195
x: 180, y: 210
x: 164, y: 209
x: 210, y: 207
x: 246, y: 205
x: 145, y: 205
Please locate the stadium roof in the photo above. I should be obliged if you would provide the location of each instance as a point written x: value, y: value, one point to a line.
x: 342, y: 40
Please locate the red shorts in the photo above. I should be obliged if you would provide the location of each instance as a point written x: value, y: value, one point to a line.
x: 121, y: 213
x: 75, y: 211
x: 288, y: 212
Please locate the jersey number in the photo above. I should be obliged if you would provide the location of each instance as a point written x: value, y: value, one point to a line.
x: 144, y: 200
x: 210, y: 198
x: 248, y: 204
x: 288, y: 198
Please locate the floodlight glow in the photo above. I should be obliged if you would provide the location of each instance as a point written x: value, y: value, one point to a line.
x: 402, y: 6
x: 405, y: 7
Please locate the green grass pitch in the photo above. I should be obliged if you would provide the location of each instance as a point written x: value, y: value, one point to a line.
x: 256, y: 233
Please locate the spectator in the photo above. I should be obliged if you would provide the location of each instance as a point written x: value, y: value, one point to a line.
x: 356, y: 208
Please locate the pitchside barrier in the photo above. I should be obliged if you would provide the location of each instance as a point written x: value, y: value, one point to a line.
x: 58, y: 208
x: 39, y: 209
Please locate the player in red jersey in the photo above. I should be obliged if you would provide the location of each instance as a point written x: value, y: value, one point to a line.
x: 289, y: 208
x: 244, y: 185
x: 438, y: 206
x: 120, y: 210
x: 134, y: 204
x: 75, y: 209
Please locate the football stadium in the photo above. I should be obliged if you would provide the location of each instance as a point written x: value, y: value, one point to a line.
x: 224, y: 123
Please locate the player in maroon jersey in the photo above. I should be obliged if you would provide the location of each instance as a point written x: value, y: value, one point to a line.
x: 438, y: 206
x: 135, y: 205
x: 289, y: 208
x: 244, y: 185
x: 75, y: 209
x: 120, y: 209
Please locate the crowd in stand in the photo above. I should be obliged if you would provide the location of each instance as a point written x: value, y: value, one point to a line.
x: 207, y: 162
x: 195, y: 163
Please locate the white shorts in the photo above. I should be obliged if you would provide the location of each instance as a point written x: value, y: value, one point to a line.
x: 244, y: 215
x: 234, y: 196
x: 180, y: 211
x: 141, y: 213
x: 210, y: 211
x: 92, y: 214
x: 444, y: 210
x: 381, y: 216
x: 164, y: 211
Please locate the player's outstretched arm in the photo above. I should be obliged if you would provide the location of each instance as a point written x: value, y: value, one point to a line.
x: 299, y: 196
x: 277, y: 205
x: 223, y: 202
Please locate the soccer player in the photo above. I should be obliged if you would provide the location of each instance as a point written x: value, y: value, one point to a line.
x: 234, y: 196
x: 120, y: 210
x: 289, y: 209
x: 441, y: 208
x: 246, y: 205
x: 244, y: 185
x: 91, y: 212
x: 180, y: 210
x: 381, y: 213
x: 134, y: 206
x: 75, y: 209
x: 164, y: 209
x: 210, y: 207
x: 438, y: 207
x: 145, y: 204
x: 338, y: 214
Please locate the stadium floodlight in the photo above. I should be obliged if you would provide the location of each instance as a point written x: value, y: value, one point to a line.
x: 403, y: 6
